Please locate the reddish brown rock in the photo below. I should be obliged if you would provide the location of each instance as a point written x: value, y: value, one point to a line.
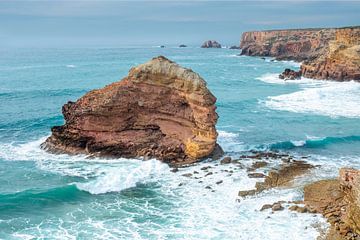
x: 160, y: 110
x: 291, y: 44
x: 290, y: 74
x: 342, y: 58
x: 328, y: 53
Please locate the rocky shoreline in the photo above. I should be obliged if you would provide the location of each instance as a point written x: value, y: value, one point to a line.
x: 326, y: 53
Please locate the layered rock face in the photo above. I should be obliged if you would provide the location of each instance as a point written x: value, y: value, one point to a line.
x: 160, y: 110
x: 299, y: 45
x: 342, y: 58
x: 339, y: 201
x: 329, y: 53
x: 211, y: 44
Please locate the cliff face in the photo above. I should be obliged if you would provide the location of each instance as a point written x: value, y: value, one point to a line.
x: 326, y: 53
x: 341, y: 60
x: 299, y: 45
x: 159, y: 110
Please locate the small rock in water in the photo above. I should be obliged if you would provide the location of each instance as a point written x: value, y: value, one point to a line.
x: 219, y: 182
x: 205, y: 168
x: 225, y: 160
x: 187, y: 175
x: 174, y: 170
x: 266, y: 206
x: 246, y: 193
x: 208, y: 174
x: 277, y: 207
x: 256, y: 175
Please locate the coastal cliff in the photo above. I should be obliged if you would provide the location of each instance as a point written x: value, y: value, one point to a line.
x: 328, y: 53
x: 160, y: 110
x: 341, y: 60
x: 297, y: 44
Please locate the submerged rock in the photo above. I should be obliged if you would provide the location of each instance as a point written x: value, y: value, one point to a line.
x: 211, y: 44
x: 182, y: 45
x: 160, y: 110
x: 290, y: 74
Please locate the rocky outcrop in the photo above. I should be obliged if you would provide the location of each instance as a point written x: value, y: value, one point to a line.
x: 160, y: 110
x: 341, y: 60
x: 339, y: 201
x: 281, y: 177
x: 290, y: 74
x: 297, y: 44
x: 211, y: 44
x: 234, y: 47
x: 328, y: 53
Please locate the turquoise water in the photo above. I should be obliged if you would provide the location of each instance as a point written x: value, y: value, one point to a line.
x: 45, y: 196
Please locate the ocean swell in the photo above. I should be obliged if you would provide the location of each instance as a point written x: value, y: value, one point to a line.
x: 313, y: 143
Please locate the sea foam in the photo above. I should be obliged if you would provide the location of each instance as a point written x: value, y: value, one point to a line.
x: 333, y: 99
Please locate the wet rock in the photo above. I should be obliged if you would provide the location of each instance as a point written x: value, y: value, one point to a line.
x: 284, y: 176
x: 266, y: 206
x: 290, y: 74
x: 208, y: 174
x: 256, y: 175
x: 247, y: 193
x: 259, y: 164
x: 205, y: 168
x: 225, y: 160
x: 208, y: 187
x: 160, y: 110
x: 187, y: 175
x: 174, y: 170
x: 196, y: 172
x: 277, y: 207
x: 182, y: 45
x: 219, y: 182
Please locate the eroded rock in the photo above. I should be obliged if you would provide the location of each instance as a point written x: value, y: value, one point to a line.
x: 160, y: 110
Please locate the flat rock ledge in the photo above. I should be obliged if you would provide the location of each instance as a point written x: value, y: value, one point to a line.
x: 160, y: 110
x: 338, y: 200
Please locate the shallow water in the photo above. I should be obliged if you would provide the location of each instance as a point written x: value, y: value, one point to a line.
x: 66, y: 197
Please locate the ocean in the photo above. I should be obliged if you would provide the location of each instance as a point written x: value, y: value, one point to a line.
x: 47, y: 196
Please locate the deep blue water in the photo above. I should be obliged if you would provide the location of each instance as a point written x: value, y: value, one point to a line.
x: 66, y: 197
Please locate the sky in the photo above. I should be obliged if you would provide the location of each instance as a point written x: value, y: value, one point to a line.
x: 92, y: 23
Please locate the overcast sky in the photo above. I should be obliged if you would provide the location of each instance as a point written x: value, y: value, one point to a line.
x: 128, y: 23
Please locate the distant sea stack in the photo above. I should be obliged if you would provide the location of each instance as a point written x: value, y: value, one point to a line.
x: 160, y: 110
x: 327, y: 53
x: 211, y: 44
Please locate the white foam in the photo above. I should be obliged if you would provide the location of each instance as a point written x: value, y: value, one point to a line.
x: 194, y: 211
x: 274, y: 79
x: 116, y: 179
x: 334, y: 99
x: 70, y: 66
x: 298, y: 143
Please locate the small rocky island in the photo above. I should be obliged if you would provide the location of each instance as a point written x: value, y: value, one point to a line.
x: 211, y: 44
x: 325, y: 53
x: 160, y: 110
